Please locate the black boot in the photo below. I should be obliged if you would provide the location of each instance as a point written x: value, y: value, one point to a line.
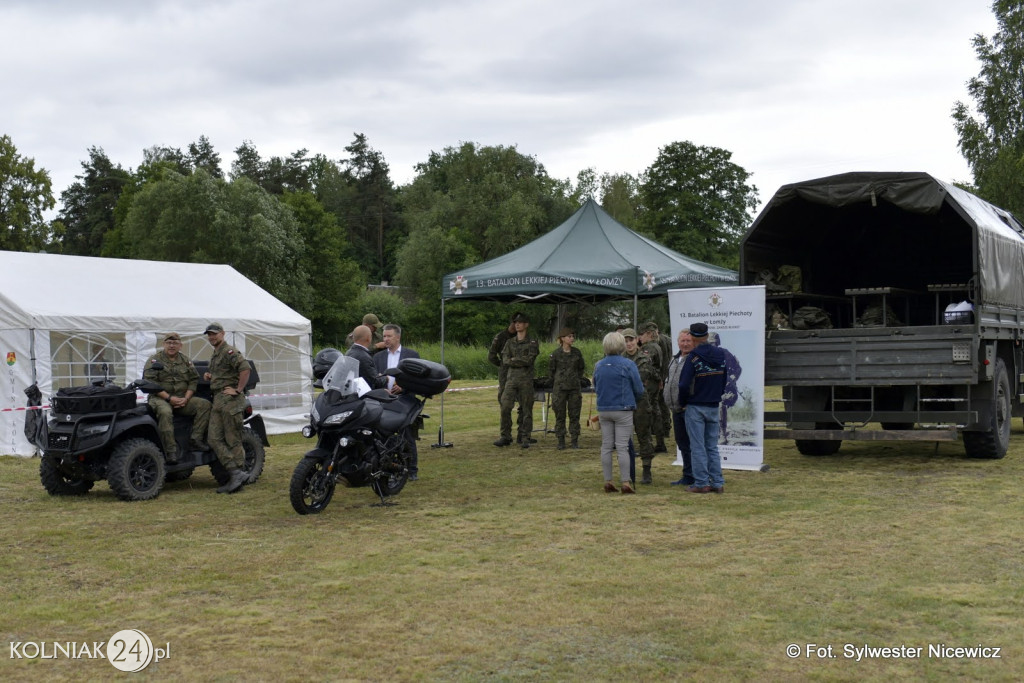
x: 646, y: 475
x: 236, y: 481
x: 561, y: 443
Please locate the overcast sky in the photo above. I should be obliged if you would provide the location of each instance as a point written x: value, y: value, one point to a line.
x: 795, y: 89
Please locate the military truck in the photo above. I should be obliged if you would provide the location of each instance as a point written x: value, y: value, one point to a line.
x: 896, y: 311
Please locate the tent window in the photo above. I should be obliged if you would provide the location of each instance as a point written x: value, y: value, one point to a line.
x: 78, y: 359
x: 277, y: 360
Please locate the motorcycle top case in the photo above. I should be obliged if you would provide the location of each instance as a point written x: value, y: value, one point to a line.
x: 422, y: 377
x: 92, y: 399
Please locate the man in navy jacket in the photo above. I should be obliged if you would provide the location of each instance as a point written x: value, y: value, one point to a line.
x: 701, y: 385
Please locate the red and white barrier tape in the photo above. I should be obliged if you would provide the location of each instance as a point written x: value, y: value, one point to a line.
x: 143, y: 399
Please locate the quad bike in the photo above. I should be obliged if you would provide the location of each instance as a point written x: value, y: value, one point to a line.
x: 100, y: 432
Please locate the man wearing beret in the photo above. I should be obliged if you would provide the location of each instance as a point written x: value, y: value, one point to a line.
x: 228, y: 374
x: 701, y: 385
x: 178, y: 379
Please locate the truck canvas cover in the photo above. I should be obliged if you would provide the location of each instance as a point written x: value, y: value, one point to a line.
x: 850, y: 230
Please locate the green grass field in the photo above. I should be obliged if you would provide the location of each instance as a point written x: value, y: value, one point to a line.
x: 500, y: 564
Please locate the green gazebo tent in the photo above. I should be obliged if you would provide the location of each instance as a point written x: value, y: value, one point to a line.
x: 589, y: 258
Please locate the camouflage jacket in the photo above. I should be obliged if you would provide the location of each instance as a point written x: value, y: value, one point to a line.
x: 519, y: 357
x: 177, y: 376
x: 650, y: 370
x: 566, y: 369
x: 226, y: 366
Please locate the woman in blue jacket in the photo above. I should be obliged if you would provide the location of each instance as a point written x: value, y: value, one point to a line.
x: 618, y: 387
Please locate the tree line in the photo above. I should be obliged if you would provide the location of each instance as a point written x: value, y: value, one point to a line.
x: 316, y: 231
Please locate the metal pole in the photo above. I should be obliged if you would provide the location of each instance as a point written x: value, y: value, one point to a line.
x: 441, y: 443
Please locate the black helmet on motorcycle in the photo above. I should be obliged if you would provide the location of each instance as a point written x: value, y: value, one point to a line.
x: 323, y: 361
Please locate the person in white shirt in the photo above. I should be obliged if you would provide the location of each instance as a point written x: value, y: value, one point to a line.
x: 389, y: 357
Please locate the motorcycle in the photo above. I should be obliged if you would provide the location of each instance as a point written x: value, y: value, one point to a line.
x: 364, y: 437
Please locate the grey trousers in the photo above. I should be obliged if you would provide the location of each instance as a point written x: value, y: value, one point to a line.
x: 616, y: 429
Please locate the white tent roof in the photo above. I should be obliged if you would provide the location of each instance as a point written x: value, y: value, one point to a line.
x: 58, y: 292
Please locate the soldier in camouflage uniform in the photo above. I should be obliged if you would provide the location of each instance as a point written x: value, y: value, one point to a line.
x: 376, y: 335
x: 174, y: 372
x: 494, y: 356
x: 651, y: 339
x: 566, y: 368
x: 228, y: 374
x: 519, y: 355
x: 650, y: 373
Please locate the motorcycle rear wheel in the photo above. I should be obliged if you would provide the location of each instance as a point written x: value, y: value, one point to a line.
x: 312, y: 487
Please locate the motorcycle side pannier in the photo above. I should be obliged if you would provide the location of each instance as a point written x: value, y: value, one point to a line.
x: 423, y: 377
x: 92, y: 399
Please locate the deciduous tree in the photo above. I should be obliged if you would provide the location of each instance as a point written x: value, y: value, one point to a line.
x: 25, y: 193
x: 698, y: 202
x: 993, y: 142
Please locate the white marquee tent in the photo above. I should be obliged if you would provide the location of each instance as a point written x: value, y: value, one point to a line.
x: 68, y: 320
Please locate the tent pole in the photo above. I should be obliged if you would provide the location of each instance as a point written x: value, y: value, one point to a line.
x: 441, y: 443
x: 636, y: 298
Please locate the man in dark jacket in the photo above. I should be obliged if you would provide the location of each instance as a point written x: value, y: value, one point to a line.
x: 359, y: 350
x: 701, y: 385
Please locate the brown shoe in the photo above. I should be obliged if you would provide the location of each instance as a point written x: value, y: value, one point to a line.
x: 718, y: 489
x: 626, y: 488
x: 698, y: 489
x: 610, y: 487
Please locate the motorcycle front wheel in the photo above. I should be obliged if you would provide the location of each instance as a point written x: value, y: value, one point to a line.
x: 312, y: 486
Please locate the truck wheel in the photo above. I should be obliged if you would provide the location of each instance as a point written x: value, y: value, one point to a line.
x: 994, y: 441
x: 816, y: 447
x: 57, y: 484
x: 254, y: 458
x: 136, y: 470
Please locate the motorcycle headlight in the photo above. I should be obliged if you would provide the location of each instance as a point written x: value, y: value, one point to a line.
x: 338, y: 418
x: 93, y: 429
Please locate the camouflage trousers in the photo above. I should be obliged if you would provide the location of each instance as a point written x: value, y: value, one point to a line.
x: 520, y: 392
x: 655, y: 401
x: 642, y: 427
x: 225, y: 433
x: 197, y: 408
x: 567, y: 401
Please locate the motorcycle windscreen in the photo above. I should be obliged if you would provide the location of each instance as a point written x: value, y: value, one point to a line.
x: 344, y: 378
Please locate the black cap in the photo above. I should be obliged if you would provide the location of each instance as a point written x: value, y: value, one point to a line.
x: 520, y: 318
x: 698, y: 330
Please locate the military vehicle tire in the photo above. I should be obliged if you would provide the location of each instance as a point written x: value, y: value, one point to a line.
x: 993, y: 442
x: 135, y: 470
x: 57, y: 484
